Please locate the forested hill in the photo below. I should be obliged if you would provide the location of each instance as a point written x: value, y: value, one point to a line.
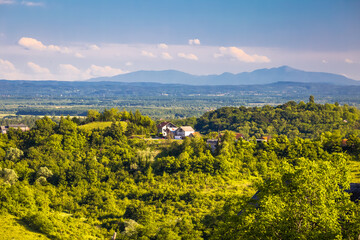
x: 88, y: 178
x: 305, y: 120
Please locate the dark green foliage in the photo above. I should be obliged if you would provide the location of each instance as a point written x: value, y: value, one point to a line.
x: 291, y: 119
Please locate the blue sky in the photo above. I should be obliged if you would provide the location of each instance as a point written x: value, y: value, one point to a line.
x: 73, y: 40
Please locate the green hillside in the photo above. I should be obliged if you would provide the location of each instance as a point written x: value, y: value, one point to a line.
x: 70, y: 183
x: 13, y: 228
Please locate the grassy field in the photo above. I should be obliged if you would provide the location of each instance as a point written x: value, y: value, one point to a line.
x: 100, y: 125
x: 12, y: 228
x: 7, y: 115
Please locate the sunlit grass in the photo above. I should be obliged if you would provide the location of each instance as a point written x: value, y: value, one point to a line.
x: 12, y: 228
x: 100, y: 125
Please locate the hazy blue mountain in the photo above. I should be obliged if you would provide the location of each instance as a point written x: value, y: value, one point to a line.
x: 167, y: 76
x: 260, y: 76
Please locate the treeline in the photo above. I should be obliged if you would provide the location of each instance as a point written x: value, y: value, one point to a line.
x: 27, y: 120
x: 50, y: 112
x: 305, y: 120
x: 72, y: 183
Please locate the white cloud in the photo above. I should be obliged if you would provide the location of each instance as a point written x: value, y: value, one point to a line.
x: 69, y: 69
x: 239, y: 54
x: 6, y: 66
x: 8, y: 2
x: 163, y: 46
x: 94, y: 47
x: 347, y: 60
x: 32, y: 4
x: 79, y: 55
x: 9, y: 71
x: 166, y: 56
x: 106, y: 71
x: 194, y: 41
x: 189, y: 56
x: 128, y: 64
x: 37, y: 69
x: 70, y: 72
x: 34, y: 44
x: 324, y: 61
x: 148, y: 54
x: 31, y: 43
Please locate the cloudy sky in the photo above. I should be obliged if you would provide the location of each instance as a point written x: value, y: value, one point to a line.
x: 76, y: 40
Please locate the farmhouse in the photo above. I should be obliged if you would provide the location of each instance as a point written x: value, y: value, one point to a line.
x: 166, y: 128
x: 184, y: 131
x: 22, y: 127
x: 263, y: 139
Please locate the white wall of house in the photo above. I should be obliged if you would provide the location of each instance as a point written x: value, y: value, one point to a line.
x: 180, y: 132
x: 165, y: 128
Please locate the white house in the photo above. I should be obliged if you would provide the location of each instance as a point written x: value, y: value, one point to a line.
x: 184, y: 131
x: 165, y: 128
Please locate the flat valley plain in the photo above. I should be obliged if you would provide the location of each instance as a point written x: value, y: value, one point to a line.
x: 159, y: 101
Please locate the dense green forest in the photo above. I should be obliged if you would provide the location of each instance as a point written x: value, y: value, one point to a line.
x: 305, y: 120
x: 68, y: 181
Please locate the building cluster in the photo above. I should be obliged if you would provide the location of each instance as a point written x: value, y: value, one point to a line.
x: 169, y: 130
x: 22, y: 127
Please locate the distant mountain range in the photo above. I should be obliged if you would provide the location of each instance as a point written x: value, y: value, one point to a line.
x: 260, y: 76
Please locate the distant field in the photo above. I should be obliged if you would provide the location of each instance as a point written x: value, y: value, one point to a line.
x: 12, y: 228
x: 100, y: 125
x: 6, y: 114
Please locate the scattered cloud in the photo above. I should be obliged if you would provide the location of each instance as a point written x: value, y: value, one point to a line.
x: 70, y: 72
x: 128, y: 64
x: 25, y: 3
x: 69, y: 69
x: 166, y: 56
x: 9, y: 71
x: 194, y: 41
x: 324, y: 61
x: 148, y: 54
x: 94, y: 47
x: 79, y: 55
x: 34, y: 44
x: 6, y: 66
x: 31, y: 43
x: 32, y: 4
x: 163, y: 46
x: 189, y: 56
x: 239, y: 54
x: 7, y: 2
x: 347, y: 60
x: 37, y: 69
x: 106, y: 71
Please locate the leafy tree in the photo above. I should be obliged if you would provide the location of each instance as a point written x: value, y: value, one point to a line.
x: 8, y: 176
x: 13, y: 154
x: 303, y: 200
x: 92, y: 115
x: 44, y: 172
